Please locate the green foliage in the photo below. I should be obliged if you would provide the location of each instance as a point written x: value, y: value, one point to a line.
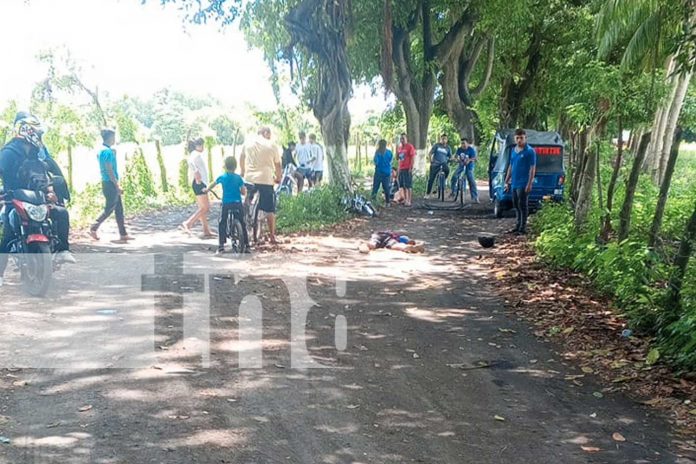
x: 311, y: 211
x: 164, y: 182
x: 227, y: 131
x: 138, y: 184
x: 184, y: 184
x: 634, y: 276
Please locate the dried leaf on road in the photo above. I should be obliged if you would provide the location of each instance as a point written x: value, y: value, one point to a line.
x: 85, y: 408
x: 618, y: 437
x: 499, y: 418
x: 590, y: 449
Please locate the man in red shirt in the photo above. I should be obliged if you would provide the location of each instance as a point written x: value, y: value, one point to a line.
x: 406, y: 153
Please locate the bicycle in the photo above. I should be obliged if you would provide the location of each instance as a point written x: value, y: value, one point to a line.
x: 235, y: 233
x: 461, y: 187
x: 441, y: 179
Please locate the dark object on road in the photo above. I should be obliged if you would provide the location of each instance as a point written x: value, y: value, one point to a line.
x: 486, y: 241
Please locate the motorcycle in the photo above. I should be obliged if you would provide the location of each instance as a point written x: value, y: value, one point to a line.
x: 359, y: 204
x: 32, y: 247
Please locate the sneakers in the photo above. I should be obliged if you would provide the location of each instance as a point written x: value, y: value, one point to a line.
x: 65, y: 257
x: 93, y: 234
x: 219, y: 251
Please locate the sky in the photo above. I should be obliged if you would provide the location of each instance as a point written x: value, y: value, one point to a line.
x: 125, y: 47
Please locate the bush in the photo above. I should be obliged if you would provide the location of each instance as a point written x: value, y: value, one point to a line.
x: 311, y: 211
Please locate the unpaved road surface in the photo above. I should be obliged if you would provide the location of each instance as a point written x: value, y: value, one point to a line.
x: 431, y: 369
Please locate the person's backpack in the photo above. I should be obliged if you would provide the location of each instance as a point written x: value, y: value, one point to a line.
x: 33, y: 175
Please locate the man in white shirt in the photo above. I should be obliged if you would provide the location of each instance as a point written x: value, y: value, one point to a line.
x: 318, y: 155
x: 305, y: 161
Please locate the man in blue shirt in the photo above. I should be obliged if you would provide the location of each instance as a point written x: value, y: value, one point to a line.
x: 440, y: 155
x: 383, y: 171
x: 520, y: 178
x: 466, y: 155
x: 111, y: 189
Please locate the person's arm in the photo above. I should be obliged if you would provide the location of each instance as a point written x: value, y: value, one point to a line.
x: 474, y: 158
x: 278, y: 172
x: 532, y: 172
x: 508, y: 176
x: 210, y: 187
x: 109, y: 165
x: 243, y: 190
x: 375, y: 160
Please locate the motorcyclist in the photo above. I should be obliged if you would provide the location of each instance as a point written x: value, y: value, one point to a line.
x: 26, y: 144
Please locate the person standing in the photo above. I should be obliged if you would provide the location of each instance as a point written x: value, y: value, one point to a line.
x: 198, y: 176
x: 440, y: 155
x: 318, y: 155
x: 111, y: 189
x: 407, y: 155
x: 306, y: 162
x: 288, y: 155
x: 260, y: 165
x: 520, y: 178
x: 382, y: 160
x: 467, y: 157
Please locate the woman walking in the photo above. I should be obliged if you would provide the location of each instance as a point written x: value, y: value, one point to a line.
x: 383, y: 170
x: 198, y: 176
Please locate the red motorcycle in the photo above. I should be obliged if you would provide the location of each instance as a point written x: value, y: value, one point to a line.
x: 33, y: 241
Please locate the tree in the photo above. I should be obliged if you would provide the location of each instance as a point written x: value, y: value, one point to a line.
x: 226, y: 130
x: 649, y: 32
x: 409, y: 64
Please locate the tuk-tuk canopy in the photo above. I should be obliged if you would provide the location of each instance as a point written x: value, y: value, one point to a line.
x: 534, y: 138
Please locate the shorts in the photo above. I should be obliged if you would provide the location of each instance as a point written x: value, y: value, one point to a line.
x: 305, y: 172
x: 198, y: 188
x: 267, y: 199
x: 405, y: 179
x: 383, y: 240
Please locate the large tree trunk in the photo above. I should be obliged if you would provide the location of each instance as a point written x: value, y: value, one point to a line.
x: 664, y: 189
x: 631, y: 185
x: 652, y: 163
x: 319, y: 27
x: 413, y: 81
x: 455, y: 78
x: 681, y: 262
x: 670, y: 127
x: 515, y: 91
x: 579, y: 163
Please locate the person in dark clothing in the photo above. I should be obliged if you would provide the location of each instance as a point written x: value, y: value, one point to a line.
x: 110, y: 188
x: 520, y: 178
x: 288, y: 155
x: 23, y: 148
x: 440, y: 156
x: 383, y: 171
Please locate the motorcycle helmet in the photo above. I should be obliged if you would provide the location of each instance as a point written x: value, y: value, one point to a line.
x: 29, y: 128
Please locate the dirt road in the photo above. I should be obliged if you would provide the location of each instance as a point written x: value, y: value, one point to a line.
x: 433, y: 369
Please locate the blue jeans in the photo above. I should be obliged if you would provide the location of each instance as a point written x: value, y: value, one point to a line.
x: 385, y: 181
x: 455, y: 179
x: 472, y: 184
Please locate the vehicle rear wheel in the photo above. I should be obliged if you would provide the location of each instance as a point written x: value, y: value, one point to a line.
x: 38, y: 269
x: 498, y: 209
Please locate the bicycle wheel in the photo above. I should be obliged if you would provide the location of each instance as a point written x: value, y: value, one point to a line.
x: 462, y: 185
x: 441, y: 186
x: 236, y: 235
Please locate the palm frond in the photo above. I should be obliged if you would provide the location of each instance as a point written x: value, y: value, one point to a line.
x: 645, y: 42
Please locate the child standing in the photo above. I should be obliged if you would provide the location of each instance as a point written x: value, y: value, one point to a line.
x: 232, y: 191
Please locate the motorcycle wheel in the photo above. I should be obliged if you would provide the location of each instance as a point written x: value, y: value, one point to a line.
x: 37, y: 270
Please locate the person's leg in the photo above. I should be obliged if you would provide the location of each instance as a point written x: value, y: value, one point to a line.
x: 472, y: 185
x: 431, y: 179
x: 222, y: 226
x: 110, y: 197
x: 409, y: 196
x: 7, y: 236
x: 300, y: 181
x: 375, y: 185
x: 271, y: 218
x: 454, y: 182
x: 61, y: 221
x: 386, y: 186
x: 518, y: 211
x: 204, y: 206
x: 524, y: 209
x: 120, y: 217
